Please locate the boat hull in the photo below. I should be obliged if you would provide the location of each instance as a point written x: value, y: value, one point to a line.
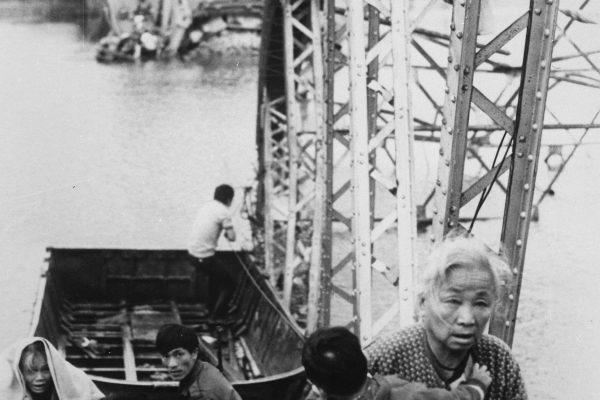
x: 116, y: 299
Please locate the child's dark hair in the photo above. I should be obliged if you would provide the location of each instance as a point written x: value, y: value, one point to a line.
x: 334, y: 361
x: 172, y: 336
x: 224, y: 193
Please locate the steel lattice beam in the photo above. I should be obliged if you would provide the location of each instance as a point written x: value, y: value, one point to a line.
x: 524, y: 131
x: 336, y: 140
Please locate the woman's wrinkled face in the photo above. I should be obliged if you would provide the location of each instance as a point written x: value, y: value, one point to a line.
x: 36, y: 373
x: 456, y: 317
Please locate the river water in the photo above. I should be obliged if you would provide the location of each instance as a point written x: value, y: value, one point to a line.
x: 122, y: 155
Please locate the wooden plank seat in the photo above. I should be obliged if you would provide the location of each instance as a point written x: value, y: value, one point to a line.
x: 125, y: 335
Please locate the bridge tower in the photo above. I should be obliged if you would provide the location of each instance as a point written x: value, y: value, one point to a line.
x: 342, y: 90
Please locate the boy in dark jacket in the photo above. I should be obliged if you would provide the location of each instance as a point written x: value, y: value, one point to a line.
x: 336, y: 366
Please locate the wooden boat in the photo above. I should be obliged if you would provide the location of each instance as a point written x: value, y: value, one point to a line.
x: 102, y: 308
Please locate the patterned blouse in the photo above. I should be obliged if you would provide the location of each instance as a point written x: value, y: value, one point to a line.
x: 404, y: 353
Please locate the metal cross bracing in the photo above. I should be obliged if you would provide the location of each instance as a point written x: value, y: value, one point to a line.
x: 349, y: 159
x: 372, y: 208
x: 575, y: 66
x: 352, y: 208
x: 292, y: 133
x: 524, y: 131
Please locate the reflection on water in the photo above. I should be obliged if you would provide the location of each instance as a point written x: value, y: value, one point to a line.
x: 121, y: 155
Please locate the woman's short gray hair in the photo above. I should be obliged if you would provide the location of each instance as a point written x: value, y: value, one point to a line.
x: 460, y: 251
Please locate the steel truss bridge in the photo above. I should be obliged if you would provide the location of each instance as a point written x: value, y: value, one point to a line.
x: 346, y: 87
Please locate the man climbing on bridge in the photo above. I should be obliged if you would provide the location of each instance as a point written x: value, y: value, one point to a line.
x: 212, y: 219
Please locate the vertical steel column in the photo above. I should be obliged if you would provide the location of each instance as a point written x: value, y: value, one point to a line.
x: 404, y: 138
x: 267, y: 182
x: 455, y: 123
x: 361, y: 221
x: 321, y: 217
x: 530, y: 119
x: 292, y: 135
x: 327, y: 239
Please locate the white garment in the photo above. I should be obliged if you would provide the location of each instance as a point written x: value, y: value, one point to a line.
x: 70, y: 383
x: 211, y: 219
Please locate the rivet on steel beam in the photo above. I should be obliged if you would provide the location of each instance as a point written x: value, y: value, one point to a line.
x: 435, y: 211
x: 526, y: 186
x: 449, y: 131
x: 511, y: 297
x: 449, y: 59
x: 432, y: 238
x: 453, y: 99
x: 451, y: 224
x: 543, y: 64
x: 456, y: 67
x: 444, y: 121
x: 441, y: 151
x: 447, y: 89
x: 520, y: 154
x: 447, y: 163
x: 534, y: 126
x: 467, y: 70
x: 507, y: 323
x: 515, y: 271
x: 464, y: 87
x: 462, y: 3
x: 538, y: 95
x: 547, y: 32
x: 443, y: 192
x: 522, y: 138
x: 519, y: 242
x: 441, y: 221
x: 438, y: 182
x: 459, y: 35
x: 523, y: 215
x: 452, y: 26
x: 530, y: 158
x: 453, y: 209
x: 537, y: 11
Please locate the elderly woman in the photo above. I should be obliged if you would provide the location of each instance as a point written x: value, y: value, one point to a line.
x: 460, y: 286
x: 32, y: 369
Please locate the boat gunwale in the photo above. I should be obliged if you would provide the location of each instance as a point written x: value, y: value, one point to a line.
x: 168, y: 384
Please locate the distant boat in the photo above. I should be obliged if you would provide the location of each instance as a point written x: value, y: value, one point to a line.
x: 142, y: 29
x: 102, y: 308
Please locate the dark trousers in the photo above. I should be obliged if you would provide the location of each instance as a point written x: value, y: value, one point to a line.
x: 220, y: 285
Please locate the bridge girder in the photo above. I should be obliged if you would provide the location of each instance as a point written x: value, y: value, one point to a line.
x: 336, y: 147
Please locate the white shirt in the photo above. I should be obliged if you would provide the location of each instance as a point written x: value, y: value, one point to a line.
x: 210, y: 220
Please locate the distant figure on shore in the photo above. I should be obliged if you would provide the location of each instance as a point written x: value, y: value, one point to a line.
x: 32, y: 369
x: 212, y: 219
x: 198, y: 380
x: 335, y: 364
x: 460, y: 285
